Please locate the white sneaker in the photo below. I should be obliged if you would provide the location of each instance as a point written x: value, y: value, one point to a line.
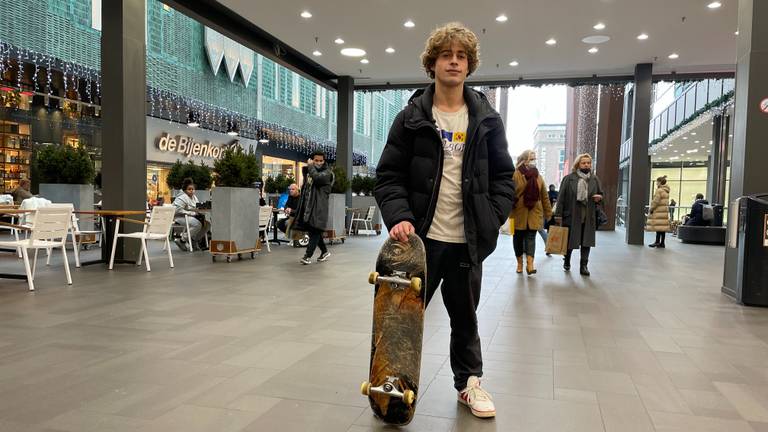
x: 306, y: 261
x: 477, y: 399
x: 324, y: 257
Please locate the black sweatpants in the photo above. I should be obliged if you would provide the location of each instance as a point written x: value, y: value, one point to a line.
x: 315, y: 240
x: 660, y: 237
x: 449, y: 263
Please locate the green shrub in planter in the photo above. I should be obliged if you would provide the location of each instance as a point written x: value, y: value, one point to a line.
x: 357, y: 184
x: 237, y: 168
x: 200, y: 174
x: 341, y: 183
x: 61, y: 164
x: 368, y: 184
x: 278, y: 184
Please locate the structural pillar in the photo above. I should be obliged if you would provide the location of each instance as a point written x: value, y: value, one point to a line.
x: 639, y: 162
x: 345, y: 127
x: 749, y: 152
x: 608, y: 146
x: 715, y: 160
x: 123, y: 109
x: 504, y: 104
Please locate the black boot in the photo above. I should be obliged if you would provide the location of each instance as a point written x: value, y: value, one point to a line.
x: 583, y: 268
x: 567, y: 261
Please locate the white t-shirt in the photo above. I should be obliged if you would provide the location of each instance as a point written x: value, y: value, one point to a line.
x: 448, y: 222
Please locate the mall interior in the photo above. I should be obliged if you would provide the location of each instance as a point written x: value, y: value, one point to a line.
x: 107, y: 105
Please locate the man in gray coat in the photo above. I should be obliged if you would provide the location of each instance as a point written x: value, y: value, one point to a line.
x: 314, y: 210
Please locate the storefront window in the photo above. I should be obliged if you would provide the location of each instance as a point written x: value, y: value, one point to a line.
x: 15, y: 154
x: 272, y: 167
x: 158, y: 191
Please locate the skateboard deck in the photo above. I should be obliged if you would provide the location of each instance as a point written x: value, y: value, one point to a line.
x: 398, y: 326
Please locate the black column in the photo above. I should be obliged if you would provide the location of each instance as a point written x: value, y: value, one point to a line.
x: 749, y: 152
x: 504, y: 104
x: 639, y: 162
x: 718, y: 157
x: 345, y: 126
x: 123, y: 75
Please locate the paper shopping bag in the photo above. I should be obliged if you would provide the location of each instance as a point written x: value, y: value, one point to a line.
x: 508, y: 228
x: 557, y: 241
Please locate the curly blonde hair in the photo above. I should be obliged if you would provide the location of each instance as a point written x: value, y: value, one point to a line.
x: 442, y: 36
x: 578, y: 159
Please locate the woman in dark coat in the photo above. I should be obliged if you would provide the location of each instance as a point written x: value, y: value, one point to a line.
x: 580, y: 192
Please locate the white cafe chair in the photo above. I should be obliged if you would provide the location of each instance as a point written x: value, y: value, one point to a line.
x: 48, y: 229
x: 158, y: 228
x: 265, y: 221
x: 367, y: 221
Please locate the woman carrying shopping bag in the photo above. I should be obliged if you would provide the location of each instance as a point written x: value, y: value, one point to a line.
x: 580, y: 192
x: 658, y: 213
x: 531, y: 209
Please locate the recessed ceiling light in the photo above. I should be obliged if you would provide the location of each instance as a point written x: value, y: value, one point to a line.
x: 593, y: 50
x: 674, y: 56
x: 339, y: 41
x: 599, y: 26
x: 685, y: 138
x: 697, y: 142
x: 364, y: 61
x: 551, y: 41
x: 714, y: 5
x: 693, y: 133
x: 353, y: 52
x: 596, y: 39
x: 502, y: 18
x: 306, y: 14
x: 736, y: 32
x: 514, y: 63
x: 642, y: 36
x: 710, y: 141
x: 390, y: 50
x: 317, y: 53
x: 263, y: 140
x: 703, y: 146
x: 409, y: 24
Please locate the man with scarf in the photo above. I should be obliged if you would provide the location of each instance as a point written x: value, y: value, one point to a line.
x: 580, y: 191
x: 532, y: 207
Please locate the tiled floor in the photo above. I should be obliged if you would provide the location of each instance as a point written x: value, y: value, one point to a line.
x: 647, y: 343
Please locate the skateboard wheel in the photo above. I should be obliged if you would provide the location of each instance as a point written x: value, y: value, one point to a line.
x: 409, y: 397
x: 416, y: 284
x: 365, y: 388
x: 373, y: 277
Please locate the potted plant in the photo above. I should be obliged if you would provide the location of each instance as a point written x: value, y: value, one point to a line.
x: 66, y: 175
x: 200, y: 174
x: 337, y: 203
x: 235, y: 203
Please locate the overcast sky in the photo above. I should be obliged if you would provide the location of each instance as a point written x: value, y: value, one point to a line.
x: 530, y: 106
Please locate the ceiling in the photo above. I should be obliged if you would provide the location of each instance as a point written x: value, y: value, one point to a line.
x: 702, y: 37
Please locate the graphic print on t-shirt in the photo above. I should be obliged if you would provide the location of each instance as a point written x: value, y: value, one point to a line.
x: 453, y: 144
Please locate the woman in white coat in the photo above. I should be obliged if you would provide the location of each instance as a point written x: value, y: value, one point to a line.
x: 186, y: 205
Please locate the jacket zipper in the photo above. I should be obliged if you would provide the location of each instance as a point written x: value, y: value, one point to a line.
x: 436, y: 188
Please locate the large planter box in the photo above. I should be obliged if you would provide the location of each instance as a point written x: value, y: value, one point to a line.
x: 235, y: 219
x: 364, y: 202
x: 79, y: 195
x: 337, y: 210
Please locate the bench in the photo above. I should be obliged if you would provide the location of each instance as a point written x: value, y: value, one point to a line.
x: 713, y: 235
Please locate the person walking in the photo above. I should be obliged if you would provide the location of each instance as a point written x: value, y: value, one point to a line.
x: 580, y: 191
x: 446, y: 175
x: 658, y: 213
x: 532, y: 208
x: 314, y: 210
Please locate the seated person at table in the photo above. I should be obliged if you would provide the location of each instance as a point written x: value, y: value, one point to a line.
x: 22, y: 191
x: 696, y: 217
x: 186, y: 205
x: 290, y: 206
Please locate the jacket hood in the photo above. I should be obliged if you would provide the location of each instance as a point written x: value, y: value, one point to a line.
x: 423, y: 99
x: 664, y: 188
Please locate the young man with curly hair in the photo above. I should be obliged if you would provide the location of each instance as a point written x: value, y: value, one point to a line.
x: 446, y: 175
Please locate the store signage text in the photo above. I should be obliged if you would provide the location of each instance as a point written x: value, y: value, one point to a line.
x: 188, y: 147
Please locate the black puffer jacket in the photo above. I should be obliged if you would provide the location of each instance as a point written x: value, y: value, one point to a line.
x: 313, y: 208
x: 410, y: 169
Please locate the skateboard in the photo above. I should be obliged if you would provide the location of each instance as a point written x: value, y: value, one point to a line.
x: 398, y: 326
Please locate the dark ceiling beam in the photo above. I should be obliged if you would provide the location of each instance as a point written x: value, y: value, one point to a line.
x: 227, y: 22
x: 607, y: 79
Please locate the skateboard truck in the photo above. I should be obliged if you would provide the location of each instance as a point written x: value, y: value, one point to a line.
x: 397, y: 280
x: 389, y: 389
